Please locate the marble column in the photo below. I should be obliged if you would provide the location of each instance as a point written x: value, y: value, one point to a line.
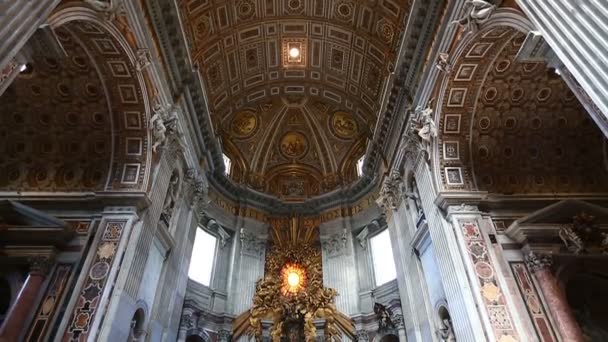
x: 19, y: 20
x: 16, y: 319
x: 540, y: 266
x: 576, y: 32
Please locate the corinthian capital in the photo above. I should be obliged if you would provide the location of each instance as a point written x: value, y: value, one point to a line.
x: 41, y: 264
x: 538, y: 261
x: 391, y: 192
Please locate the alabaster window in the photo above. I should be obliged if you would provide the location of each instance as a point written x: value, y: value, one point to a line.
x: 203, y: 256
x: 360, y: 166
x: 382, y: 255
x: 227, y: 164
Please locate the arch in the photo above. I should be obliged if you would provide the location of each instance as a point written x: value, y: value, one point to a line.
x: 197, y: 335
x: 389, y: 338
x: 97, y: 109
x: 491, y: 104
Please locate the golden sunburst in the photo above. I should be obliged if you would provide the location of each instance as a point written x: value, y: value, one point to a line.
x: 293, y: 279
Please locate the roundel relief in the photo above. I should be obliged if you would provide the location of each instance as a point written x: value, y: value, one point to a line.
x: 244, y: 124
x: 344, y: 125
x: 293, y: 145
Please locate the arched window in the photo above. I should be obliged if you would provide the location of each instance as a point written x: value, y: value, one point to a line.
x: 382, y: 255
x: 203, y: 255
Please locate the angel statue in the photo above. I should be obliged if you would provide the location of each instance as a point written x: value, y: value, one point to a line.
x: 159, y: 131
x: 477, y: 12
x: 109, y: 8
x: 425, y: 126
x: 443, y: 63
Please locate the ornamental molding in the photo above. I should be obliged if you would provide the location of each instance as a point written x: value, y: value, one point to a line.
x: 252, y: 245
x: 197, y: 190
x: 335, y: 245
x: 536, y: 261
x: 390, y: 195
x: 172, y: 42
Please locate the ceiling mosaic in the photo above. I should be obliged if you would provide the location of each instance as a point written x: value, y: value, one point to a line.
x: 294, y: 87
x: 61, y: 122
x: 510, y: 127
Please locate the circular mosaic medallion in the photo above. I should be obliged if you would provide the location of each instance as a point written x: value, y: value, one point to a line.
x: 344, y: 125
x: 99, y: 270
x: 244, y: 124
x: 484, y: 270
x: 293, y: 145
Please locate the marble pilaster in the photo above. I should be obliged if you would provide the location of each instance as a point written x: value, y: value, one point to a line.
x: 540, y: 266
x: 339, y: 264
x: 459, y: 294
x: 16, y: 318
x: 18, y: 22
x: 577, y: 34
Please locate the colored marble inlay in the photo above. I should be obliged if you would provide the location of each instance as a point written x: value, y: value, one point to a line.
x: 80, y: 227
x: 50, y: 302
x: 90, y: 294
x: 491, y: 293
x: 534, y: 306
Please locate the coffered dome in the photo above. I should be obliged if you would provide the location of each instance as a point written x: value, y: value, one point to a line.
x: 294, y: 87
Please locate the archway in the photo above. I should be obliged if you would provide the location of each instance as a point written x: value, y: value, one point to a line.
x: 510, y: 127
x: 76, y: 121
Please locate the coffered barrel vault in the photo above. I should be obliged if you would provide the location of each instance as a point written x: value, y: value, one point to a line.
x: 294, y: 124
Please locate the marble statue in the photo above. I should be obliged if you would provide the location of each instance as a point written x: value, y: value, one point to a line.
x: 171, y: 198
x: 477, y: 12
x: 443, y: 63
x: 446, y: 331
x: 571, y: 239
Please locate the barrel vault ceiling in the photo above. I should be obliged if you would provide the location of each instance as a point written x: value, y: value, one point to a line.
x: 294, y: 126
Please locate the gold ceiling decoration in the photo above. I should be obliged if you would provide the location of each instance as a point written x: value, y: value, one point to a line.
x: 291, y: 294
x: 294, y: 86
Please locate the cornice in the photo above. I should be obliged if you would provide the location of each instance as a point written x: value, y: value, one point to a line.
x: 185, y: 77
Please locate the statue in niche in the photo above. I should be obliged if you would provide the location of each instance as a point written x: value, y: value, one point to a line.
x: 171, y: 198
x: 476, y: 13
x: 446, y: 330
x: 383, y: 314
